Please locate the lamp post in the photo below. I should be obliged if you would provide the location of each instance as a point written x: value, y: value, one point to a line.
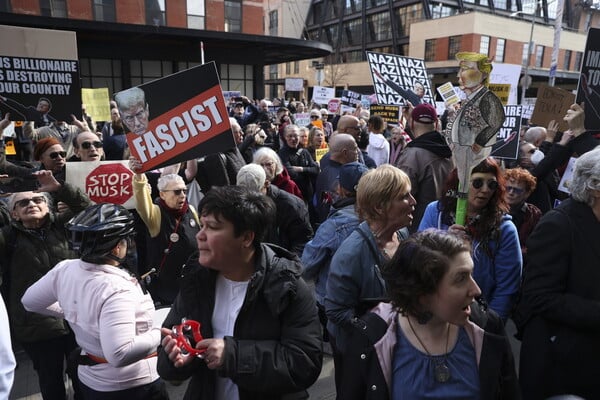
x: 319, y: 73
x: 556, y: 42
x: 526, y: 77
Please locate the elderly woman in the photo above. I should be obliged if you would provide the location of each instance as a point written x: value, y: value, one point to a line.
x: 496, y: 249
x: 106, y: 308
x: 558, y: 311
x: 52, y: 156
x: 433, y: 341
x: 519, y: 185
x: 276, y: 173
x: 172, y: 226
x: 397, y: 143
x: 297, y: 161
x: 30, y: 246
x: 258, y: 317
x: 384, y: 202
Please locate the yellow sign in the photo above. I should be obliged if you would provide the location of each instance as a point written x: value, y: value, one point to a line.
x: 97, y: 103
x: 319, y: 153
x: 9, y: 149
x: 502, y: 90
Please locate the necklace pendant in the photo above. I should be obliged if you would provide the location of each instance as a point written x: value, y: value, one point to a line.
x: 442, y: 373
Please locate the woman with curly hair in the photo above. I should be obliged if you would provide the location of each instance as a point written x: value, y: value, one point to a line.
x: 433, y: 341
x: 496, y: 248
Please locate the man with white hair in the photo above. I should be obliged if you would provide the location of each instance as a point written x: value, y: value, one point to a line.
x: 292, y: 228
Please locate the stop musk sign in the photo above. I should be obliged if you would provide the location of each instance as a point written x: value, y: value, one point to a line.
x: 109, y: 183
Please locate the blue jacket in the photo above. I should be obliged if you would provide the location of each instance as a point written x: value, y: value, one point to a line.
x: 354, y: 277
x: 499, y: 277
x: 319, y: 252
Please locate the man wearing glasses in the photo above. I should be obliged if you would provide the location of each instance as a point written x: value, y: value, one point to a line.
x: 135, y: 112
x: 172, y: 226
x: 88, y: 147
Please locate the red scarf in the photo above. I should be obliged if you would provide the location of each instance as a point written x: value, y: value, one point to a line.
x: 172, y: 212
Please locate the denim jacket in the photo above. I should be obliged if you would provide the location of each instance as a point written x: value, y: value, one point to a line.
x: 319, y: 252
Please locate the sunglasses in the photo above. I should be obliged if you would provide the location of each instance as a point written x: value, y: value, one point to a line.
x: 477, y: 183
x: 516, y: 190
x: 88, y: 145
x: 25, y: 202
x: 55, y: 154
x: 177, y: 192
x: 314, y: 117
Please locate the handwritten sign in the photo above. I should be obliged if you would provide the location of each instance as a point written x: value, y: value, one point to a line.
x: 552, y: 104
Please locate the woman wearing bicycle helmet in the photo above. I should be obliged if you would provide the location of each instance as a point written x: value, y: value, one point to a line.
x: 106, y: 307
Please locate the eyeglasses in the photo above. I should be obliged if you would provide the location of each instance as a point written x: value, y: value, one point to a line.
x: 88, y: 145
x: 516, y: 190
x: 177, y: 192
x: 314, y: 117
x: 477, y: 183
x: 55, y: 154
x: 25, y: 202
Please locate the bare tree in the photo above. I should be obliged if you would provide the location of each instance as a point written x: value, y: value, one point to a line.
x: 335, y: 74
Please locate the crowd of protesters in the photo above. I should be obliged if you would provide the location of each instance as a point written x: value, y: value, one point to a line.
x: 336, y: 237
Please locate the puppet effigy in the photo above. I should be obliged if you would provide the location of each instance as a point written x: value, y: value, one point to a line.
x: 472, y: 132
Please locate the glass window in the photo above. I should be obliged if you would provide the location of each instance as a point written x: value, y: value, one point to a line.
x: 525, y: 55
x: 52, y: 8
x: 578, y: 56
x: 539, y: 56
x: 501, y: 4
x: 353, y: 56
x: 406, y: 16
x: 240, y: 77
x: 352, y: 33
x: 273, y: 23
x: 376, y: 3
x: 155, y: 12
x: 317, y: 13
x: 5, y: 5
x: 195, y: 14
x: 331, y: 34
x: 99, y: 73
x: 273, y: 71
x: 567, y: 61
x: 233, y: 16
x: 500, y: 45
x: 484, y: 45
x: 288, y: 68
x: 352, y: 6
x: 454, y: 44
x: 379, y: 26
x: 104, y: 10
x: 143, y: 71
x: 296, y: 67
x: 430, y: 49
x: 441, y: 11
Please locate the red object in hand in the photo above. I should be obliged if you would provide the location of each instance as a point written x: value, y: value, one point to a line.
x: 181, y: 334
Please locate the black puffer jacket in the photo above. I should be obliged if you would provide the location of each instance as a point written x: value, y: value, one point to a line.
x: 275, y: 352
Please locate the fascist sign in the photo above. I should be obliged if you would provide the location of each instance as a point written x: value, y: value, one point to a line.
x: 399, y: 79
x: 588, y: 89
x: 176, y: 118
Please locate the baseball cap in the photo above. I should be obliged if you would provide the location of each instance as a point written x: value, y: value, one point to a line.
x: 239, y: 104
x: 350, y: 174
x: 424, y: 113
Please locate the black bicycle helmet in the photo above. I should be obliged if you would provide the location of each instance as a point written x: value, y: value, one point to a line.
x: 98, y: 229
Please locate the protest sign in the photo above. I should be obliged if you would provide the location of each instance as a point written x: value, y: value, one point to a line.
x: 97, y: 103
x: 390, y: 114
x: 230, y: 95
x: 397, y: 79
x: 294, y: 84
x: 507, y: 138
x: 527, y: 107
x: 176, y: 118
x: 319, y: 153
x: 448, y: 94
x: 333, y: 106
x: 322, y: 95
x: 103, y: 181
x: 501, y: 90
x: 507, y: 74
x: 567, y: 177
x: 588, y: 89
x: 350, y: 98
x: 302, y: 119
x: 34, y: 71
x: 552, y: 104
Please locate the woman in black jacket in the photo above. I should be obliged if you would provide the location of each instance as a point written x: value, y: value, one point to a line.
x: 258, y: 317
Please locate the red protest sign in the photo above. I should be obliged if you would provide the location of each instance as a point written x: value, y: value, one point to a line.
x: 109, y: 183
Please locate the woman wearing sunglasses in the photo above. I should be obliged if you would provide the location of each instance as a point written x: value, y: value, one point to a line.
x: 52, y: 157
x: 496, y: 248
x: 172, y: 226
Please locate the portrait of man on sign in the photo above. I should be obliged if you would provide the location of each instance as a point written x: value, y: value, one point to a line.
x: 134, y: 110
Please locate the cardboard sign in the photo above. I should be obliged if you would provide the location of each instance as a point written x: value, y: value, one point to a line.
x: 319, y: 153
x: 176, y: 118
x: 97, y: 103
x: 33, y: 67
x: 507, y: 138
x: 398, y: 79
x: 390, y: 114
x: 294, y: 84
x: 588, y: 88
x: 552, y: 104
x: 103, y: 181
x: 448, y: 94
x: 507, y: 74
x: 502, y: 90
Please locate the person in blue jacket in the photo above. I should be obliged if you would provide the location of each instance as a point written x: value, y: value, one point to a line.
x: 496, y: 249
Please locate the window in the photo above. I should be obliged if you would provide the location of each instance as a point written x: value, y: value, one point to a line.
x: 53, y: 8
x: 501, y: 4
x: 5, y: 6
x: 525, y: 55
x: 500, y: 45
x: 240, y: 77
x: 567, y: 61
x: 99, y: 73
x: 376, y: 3
x: 430, y: 49
x: 406, y: 16
x: 331, y: 34
x: 353, y: 56
x: 143, y: 71
x: 454, y: 44
x: 195, y: 14
x: 104, y: 10
x: 578, y: 56
x: 273, y: 23
x: 296, y: 67
x: 288, y: 68
x: 233, y: 16
x: 539, y: 56
x: 352, y: 33
x: 273, y: 71
x: 351, y: 6
x: 332, y: 9
x: 484, y: 45
x: 379, y: 27
x: 155, y: 12
x: 440, y: 11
